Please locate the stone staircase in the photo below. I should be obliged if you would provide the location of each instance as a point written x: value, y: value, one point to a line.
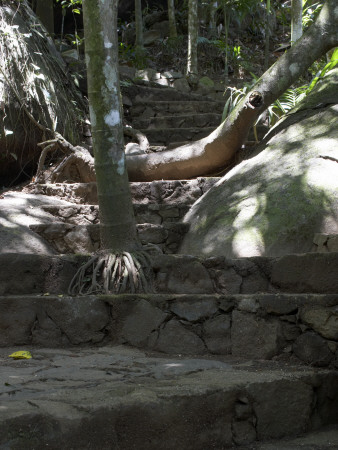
x: 159, y: 209
x: 169, y: 117
x: 239, y: 353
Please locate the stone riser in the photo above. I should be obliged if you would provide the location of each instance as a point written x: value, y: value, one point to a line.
x: 159, y: 109
x: 260, y: 326
x: 180, y: 274
x: 71, y: 238
x: 180, y: 121
x: 144, y: 94
x: 116, y: 398
x: 89, y: 214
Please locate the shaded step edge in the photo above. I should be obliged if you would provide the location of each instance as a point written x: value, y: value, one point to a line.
x: 221, y: 408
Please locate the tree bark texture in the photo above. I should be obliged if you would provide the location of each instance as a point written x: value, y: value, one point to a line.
x: 192, y: 67
x: 138, y: 24
x: 296, y: 20
x: 267, y: 34
x: 33, y: 80
x: 216, y: 150
x: 117, y: 228
x: 172, y: 20
x: 212, y: 18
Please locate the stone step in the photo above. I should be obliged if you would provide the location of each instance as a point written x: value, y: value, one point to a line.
x: 166, y: 136
x: 282, y: 327
x: 153, y: 213
x: 168, y: 192
x: 179, y: 121
x: 140, y: 94
x: 184, y: 274
x: 148, y: 109
x: 67, y: 237
x: 116, y: 397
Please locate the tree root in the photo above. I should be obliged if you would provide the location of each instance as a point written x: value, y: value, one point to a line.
x: 111, y: 273
x: 77, y: 156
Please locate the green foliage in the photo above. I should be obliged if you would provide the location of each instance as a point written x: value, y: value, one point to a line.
x: 310, y: 12
x: 322, y: 72
x: 74, y: 5
x: 290, y: 98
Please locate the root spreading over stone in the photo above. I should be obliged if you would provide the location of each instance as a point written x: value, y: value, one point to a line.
x: 111, y: 273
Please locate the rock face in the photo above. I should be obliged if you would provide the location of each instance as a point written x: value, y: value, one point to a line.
x: 275, y: 201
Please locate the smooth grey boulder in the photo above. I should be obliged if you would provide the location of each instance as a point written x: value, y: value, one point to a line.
x: 274, y: 201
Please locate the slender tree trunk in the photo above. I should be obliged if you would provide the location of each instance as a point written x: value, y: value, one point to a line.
x: 212, y: 18
x: 139, y: 24
x: 226, y: 56
x: 45, y: 12
x: 296, y: 20
x: 192, y: 67
x: 172, y: 20
x: 118, y: 229
x: 267, y: 35
x: 217, y: 149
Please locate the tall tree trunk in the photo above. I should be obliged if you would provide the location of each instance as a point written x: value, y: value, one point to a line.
x: 172, y: 20
x: 212, y: 18
x: 217, y: 149
x: 267, y: 35
x: 118, y: 229
x: 139, y: 24
x: 226, y: 55
x: 45, y: 12
x: 296, y: 20
x: 192, y: 67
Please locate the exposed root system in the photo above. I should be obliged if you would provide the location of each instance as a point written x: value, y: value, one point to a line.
x: 113, y: 274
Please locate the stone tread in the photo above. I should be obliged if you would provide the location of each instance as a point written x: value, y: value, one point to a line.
x: 117, y: 397
x: 159, y: 192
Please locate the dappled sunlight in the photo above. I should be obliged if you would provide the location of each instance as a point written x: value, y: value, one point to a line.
x: 248, y: 242
x: 247, y: 208
x: 274, y: 202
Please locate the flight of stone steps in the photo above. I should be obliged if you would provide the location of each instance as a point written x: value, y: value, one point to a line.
x: 159, y: 210
x: 169, y: 117
x: 225, y: 353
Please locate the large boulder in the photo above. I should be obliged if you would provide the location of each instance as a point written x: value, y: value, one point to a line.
x: 36, y: 93
x: 276, y: 200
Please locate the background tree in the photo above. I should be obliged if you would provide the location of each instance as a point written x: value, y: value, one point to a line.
x: 193, y: 25
x: 172, y: 20
x: 116, y: 268
x: 45, y: 12
x: 296, y: 20
x: 267, y: 34
x: 139, y: 26
x: 212, y: 18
